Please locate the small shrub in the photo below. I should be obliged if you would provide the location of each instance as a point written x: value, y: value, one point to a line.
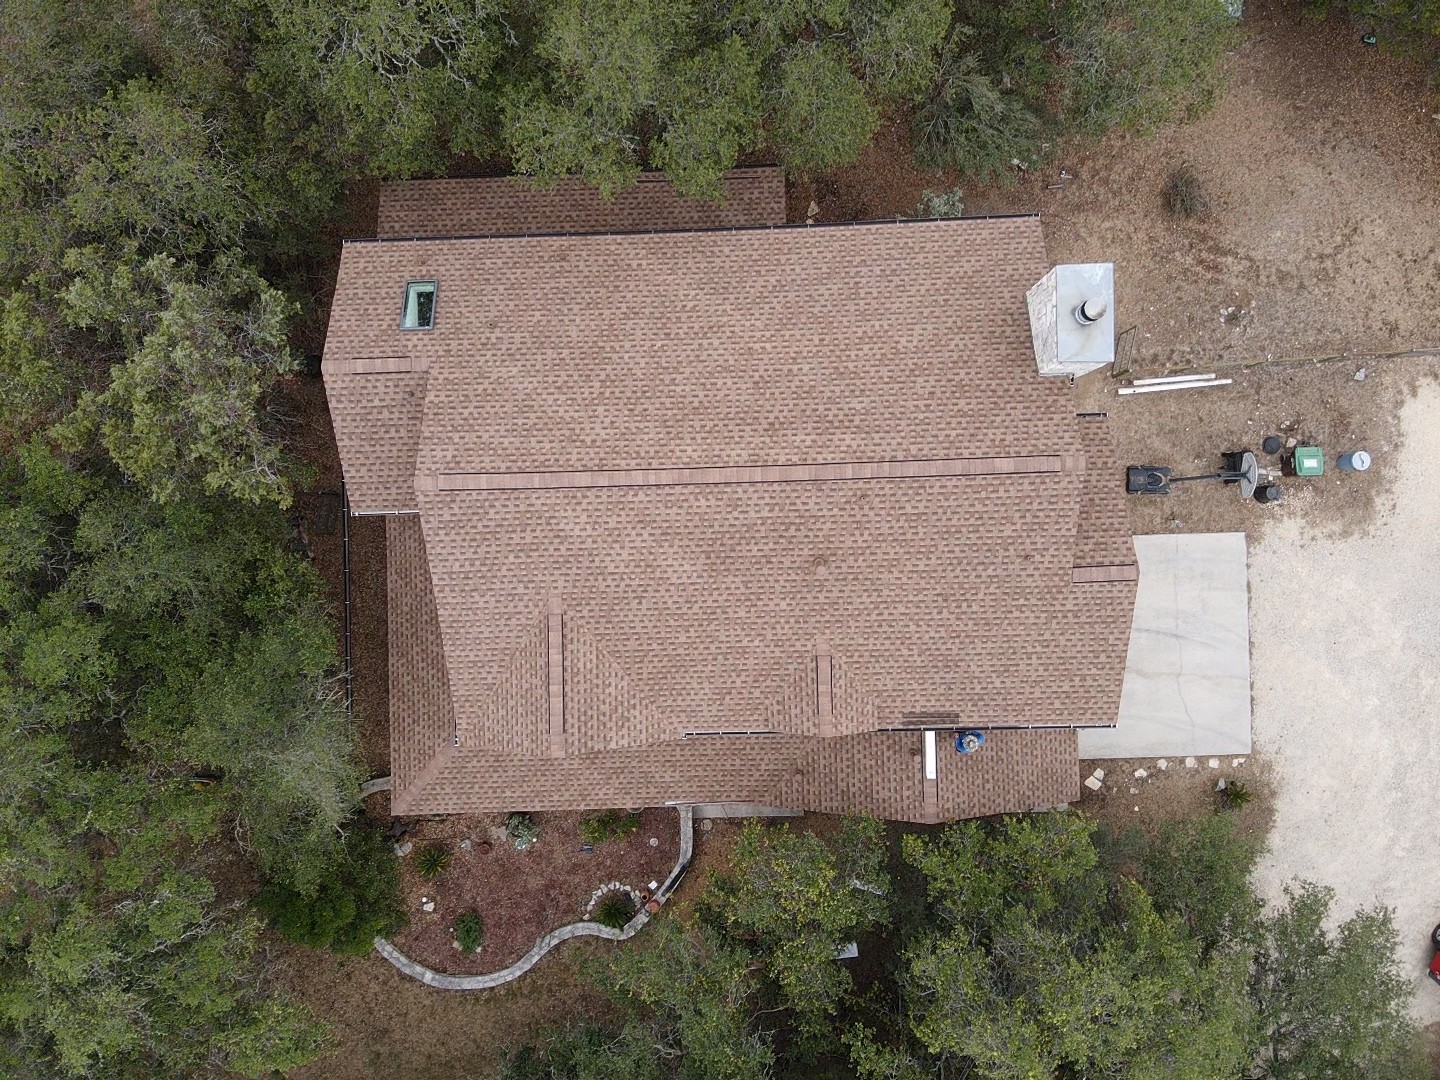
x: 610, y: 825
x: 941, y: 204
x: 432, y: 861
x: 1184, y: 195
x: 1236, y: 795
x: 615, y: 910
x: 355, y: 899
x: 522, y: 831
x: 469, y: 931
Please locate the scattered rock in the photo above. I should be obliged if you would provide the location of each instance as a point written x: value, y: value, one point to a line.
x: 1099, y: 774
x: 706, y: 824
x: 1092, y: 783
x: 1141, y: 774
x: 654, y: 841
x: 812, y: 213
x: 429, y: 905
x: 1134, y: 791
x: 1235, y: 763
x: 1214, y: 763
x: 1162, y: 764
x: 1220, y: 784
x: 465, y: 844
x: 404, y: 849
x: 1360, y: 375
x: 1189, y: 763
x: 1136, y: 809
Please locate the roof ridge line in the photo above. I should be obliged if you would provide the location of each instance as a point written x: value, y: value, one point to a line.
x: 400, y: 800
x: 697, y: 475
x: 577, y: 235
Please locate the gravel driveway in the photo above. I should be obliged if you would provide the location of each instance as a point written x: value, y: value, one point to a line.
x: 1346, y: 637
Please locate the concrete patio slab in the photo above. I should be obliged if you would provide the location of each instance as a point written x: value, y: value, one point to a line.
x: 1187, y: 675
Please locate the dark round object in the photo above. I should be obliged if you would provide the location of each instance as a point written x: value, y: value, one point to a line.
x: 1269, y: 493
x: 1435, y: 936
x: 1272, y: 444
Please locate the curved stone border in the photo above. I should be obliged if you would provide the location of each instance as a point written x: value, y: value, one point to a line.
x: 615, y: 887
x: 554, y: 937
x: 370, y: 787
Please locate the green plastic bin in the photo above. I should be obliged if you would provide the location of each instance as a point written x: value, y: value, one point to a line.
x: 1309, y: 461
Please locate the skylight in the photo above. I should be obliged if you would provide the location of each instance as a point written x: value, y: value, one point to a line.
x: 419, y: 310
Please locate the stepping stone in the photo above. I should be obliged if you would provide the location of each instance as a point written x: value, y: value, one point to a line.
x: 1092, y: 783
x: 1099, y: 774
x: 1189, y: 763
x: 1214, y: 763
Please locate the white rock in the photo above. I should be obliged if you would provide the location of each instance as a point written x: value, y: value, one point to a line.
x: 1220, y: 785
x: 1235, y: 763
x: 706, y: 825
x: 428, y: 907
x: 1136, y: 809
x: 1162, y: 764
x: 654, y: 841
x: 1189, y: 763
x: 465, y: 844
x: 404, y: 849
x: 1141, y: 774
x: 1360, y: 375
x: 1099, y: 774
x: 1133, y: 791
x: 1092, y: 783
x: 1214, y: 763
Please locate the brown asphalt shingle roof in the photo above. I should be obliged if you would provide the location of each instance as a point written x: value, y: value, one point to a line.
x: 511, y: 205
x: 799, y: 482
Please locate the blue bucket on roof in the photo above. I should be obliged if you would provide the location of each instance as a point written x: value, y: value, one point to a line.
x: 967, y: 742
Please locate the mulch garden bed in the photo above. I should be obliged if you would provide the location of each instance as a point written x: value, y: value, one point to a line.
x: 519, y: 894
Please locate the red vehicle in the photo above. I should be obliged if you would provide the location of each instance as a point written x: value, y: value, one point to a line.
x: 1435, y: 960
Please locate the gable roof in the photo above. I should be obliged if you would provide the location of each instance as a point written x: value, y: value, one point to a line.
x: 377, y: 418
x: 674, y: 487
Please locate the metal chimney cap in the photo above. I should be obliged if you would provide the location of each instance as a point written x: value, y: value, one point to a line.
x: 1091, y: 310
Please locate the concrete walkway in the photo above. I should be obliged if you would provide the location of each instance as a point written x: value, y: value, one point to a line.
x: 1346, y: 642
x: 548, y: 941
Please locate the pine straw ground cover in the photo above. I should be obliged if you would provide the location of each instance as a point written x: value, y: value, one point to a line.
x: 519, y: 894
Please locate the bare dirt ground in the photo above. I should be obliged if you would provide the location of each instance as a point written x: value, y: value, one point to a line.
x: 1177, y: 791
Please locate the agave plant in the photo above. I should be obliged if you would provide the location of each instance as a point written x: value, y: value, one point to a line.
x: 432, y: 861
